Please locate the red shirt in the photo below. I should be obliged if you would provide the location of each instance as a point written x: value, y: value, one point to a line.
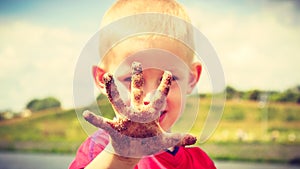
x: 181, y: 157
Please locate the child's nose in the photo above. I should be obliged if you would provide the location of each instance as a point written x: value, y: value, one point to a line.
x: 151, y: 83
x: 150, y: 86
x: 148, y: 96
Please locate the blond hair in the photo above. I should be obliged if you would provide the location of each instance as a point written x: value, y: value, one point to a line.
x: 123, y: 8
x: 167, y: 23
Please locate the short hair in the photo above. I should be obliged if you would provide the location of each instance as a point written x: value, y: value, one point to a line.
x: 169, y: 25
x: 123, y: 8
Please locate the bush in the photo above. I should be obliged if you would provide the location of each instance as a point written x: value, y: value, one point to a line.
x: 230, y: 92
x: 43, y: 104
x: 289, y: 95
x: 252, y: 95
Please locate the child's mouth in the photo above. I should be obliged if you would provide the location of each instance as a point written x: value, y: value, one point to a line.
x: 162, y: 115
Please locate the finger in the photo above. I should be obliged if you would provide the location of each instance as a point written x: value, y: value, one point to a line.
x: 113, y: 95
x: 137, y: 81
x: 178, y: 139
x: 187, y: 140
x: 97, y: 121
x: 162, y: 92
x: 165, y: 83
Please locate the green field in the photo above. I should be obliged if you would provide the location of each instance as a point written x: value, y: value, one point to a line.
x: 246, y: 132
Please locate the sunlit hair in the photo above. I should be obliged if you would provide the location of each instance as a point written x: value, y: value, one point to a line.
x: 168, y: 25
x: 123, y: 8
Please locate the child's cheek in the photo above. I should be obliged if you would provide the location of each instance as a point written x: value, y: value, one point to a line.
x: 175, y: 96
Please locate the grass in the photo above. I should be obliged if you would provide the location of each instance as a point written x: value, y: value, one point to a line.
x: 246, y: 132
x: 55, y: 132
x: 256, y: 152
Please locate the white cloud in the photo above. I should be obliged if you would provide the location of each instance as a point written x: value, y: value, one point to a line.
x: 257, y: 49
x: 37, y: 61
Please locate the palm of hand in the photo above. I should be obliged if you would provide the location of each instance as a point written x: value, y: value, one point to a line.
x: 135, y: 131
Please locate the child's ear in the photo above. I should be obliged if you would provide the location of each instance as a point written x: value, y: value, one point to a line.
x: 98, y: 74
x: 195, y: 73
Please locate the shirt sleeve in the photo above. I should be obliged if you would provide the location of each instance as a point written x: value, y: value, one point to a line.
x: 82, y: 156
x: 89, y: 149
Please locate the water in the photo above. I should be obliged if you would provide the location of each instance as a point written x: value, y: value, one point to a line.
x: 246, y: 165
x: 11, y: 160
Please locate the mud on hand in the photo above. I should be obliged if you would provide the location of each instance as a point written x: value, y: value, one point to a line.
x: 135, y: 132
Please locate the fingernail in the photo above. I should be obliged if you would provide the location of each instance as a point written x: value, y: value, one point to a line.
x: 86, y: 113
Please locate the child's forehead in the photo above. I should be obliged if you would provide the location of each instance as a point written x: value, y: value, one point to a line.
x: 141, y: 42
x: 155, y: 51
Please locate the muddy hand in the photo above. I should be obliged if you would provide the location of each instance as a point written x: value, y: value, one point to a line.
x: 135, y: 131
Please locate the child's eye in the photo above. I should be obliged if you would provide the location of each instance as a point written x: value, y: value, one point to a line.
x: 127, y: 79
x: 174, y: 78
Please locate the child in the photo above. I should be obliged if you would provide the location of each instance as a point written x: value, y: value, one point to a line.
x: 157, y: 98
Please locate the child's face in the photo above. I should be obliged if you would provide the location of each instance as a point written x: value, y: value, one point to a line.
x: 163, y: 56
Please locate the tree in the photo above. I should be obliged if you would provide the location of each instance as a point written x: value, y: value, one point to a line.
x: 32, y: 103
x: 42, y: 104
x: 230, y: 92
x: 289, y: 95
x: 254, y: 95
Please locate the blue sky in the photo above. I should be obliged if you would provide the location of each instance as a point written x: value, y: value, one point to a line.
x: 40, y: 41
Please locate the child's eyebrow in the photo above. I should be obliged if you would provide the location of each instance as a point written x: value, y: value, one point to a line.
x: 122, y: 70
x: 125, y: 68
x: 178, y: 69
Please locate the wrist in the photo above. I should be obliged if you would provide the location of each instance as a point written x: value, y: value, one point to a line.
x: 129, y: 162
x: 108, y: 160
x: 125, y: 161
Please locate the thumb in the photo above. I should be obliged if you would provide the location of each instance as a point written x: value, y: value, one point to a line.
x: 178, y: 139
x: 188, y: 139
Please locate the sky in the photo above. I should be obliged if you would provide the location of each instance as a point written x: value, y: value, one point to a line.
x: 257, y: 42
